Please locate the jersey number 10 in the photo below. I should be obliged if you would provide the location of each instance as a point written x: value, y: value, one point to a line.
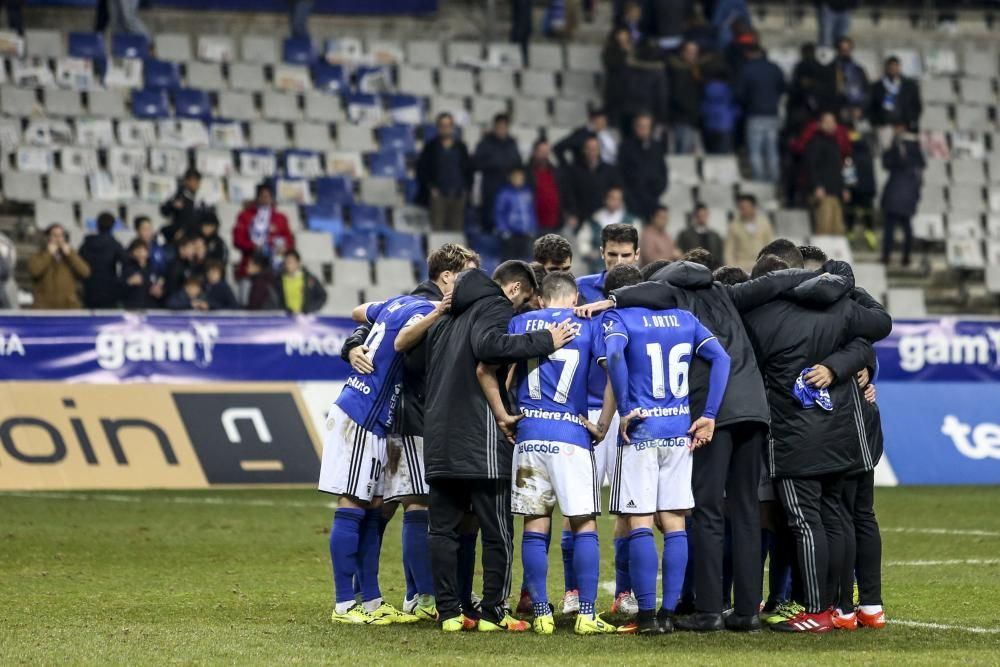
x: 678, y: 369
x: 570, y: 359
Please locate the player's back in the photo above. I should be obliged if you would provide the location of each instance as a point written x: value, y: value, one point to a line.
x: 370, y: 400
x: 552, y: 391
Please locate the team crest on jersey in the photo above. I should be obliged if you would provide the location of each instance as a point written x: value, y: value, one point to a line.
x: 608, y: 326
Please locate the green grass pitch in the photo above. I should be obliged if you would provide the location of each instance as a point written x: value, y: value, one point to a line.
x: 243, y: 577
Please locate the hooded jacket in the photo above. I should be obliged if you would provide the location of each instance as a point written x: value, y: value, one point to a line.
x: 461, y: 439
x: 789, y: 337
x: 718, y: 307
x: 105, y: 257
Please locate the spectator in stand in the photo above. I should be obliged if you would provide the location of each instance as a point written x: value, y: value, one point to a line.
x: 570, y: 149
x: 726, y: 14
x: 8, y: 261
x: 667, y: 21
x: 654, y: 239
x: 496, y: 155
x: 813, y: 90
x: 631, y: 21
x: 617, y: 54
x: 798, y: 148
x: 55, y: 270
x: 587, y: 182
x: 895, y: 99
x: 124, y: 18
x: 298, y: 290
x: 15, y: 15
x: 744, y: 39
x: 521, y: 25
x: 834, y: 18
x: 554, y: 253
x: 105, y: 256
x: 824, y: 173
x: 444, y: 177
x: 685, y: 83
x: 190, y: 297
x: 514, y: 214
x: 146, y: 232
x: 748, y: 233
x: 140, y: 288
x: 699, y: 235
x: 544, y: 182
x: 643, y: 166
x: 261, y: 228
x: 260, y: 286
x: 719, y: 115
x: 645, y: 87
x: 218, y: 294
x: 850, y: 79
x: 186, y: 263
x: 183, y: 209
x: 759, y: 88
x: 215, y: 247
x: 613, y: 212
x: 298, y: 17
x: 860, y: 180
x: 905, y: 163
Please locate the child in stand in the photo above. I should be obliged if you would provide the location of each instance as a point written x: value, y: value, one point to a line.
x: 514, y: 214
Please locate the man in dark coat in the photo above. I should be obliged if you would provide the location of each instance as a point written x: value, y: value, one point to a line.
x: 105, y: 256
x: 905, y: 163
x: 444, y: 176
x: 825, y: 177
x: 183, y: 210
x: 642, y: 163
x: 496, y: 155
x: 895, y: 99
x: 686, y: 79
x: 587, y: 181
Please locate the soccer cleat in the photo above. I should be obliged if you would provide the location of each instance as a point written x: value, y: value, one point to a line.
x: 409, y: 604
x: 357, y: 615
x: 543, y: 625
x: 506, y: 624
x: 477, y: 603
x: 458, y: 624
x: 425, y: 609
x: 701, y: 621
x: 388, y: 612
x: 626, y: 604
x: 592, y: 626
x: 783, y: 612
x: 571, y: 602
x: 817, y: 623
x: 738, y: 623
x: 875, y: 621
x: 524, y: 604
x: 845, y: 621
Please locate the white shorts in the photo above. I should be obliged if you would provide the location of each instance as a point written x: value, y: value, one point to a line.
x: 353, y: 459
x: 404, y: 468
x: 652, y: 476
x: 546, y: 472
x: 604, y: 451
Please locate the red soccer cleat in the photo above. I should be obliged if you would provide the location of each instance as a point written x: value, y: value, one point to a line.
x: 845, y: 621
x: 817, y: 623
x: 875, y: 621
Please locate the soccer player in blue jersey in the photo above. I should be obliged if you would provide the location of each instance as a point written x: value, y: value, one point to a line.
x: 553, y: 461
x: 619, y: 246
x: 648, y: 355
x: 354, y: 457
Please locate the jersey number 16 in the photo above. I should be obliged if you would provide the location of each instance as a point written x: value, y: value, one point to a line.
x: 676, y: 366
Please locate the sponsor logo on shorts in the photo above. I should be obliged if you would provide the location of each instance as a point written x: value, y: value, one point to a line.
x: 538, y: 448
x: 355, y: 383
x: 630, y: 505
x: 662, y: 442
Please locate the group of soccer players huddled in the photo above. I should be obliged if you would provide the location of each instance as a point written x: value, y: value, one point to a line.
x: 734, y: 414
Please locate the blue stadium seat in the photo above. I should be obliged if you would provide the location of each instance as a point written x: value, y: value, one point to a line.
x: 150, y: 104
x: 332, y: 190
x: 160, y: 74
x: 129, y: 46
x: 297, y: 51
x: 329, y: 78
x: 358, y: 245
x: 388, y: 163
x: 396, y: 137
x: 87, y: 45
x: 485, y: 244
x: 370, y: 218
x: 360, y: 100
x: 325, y: 218
x: 410, y: 189
x: 399, y: 245
x: 192, y: 103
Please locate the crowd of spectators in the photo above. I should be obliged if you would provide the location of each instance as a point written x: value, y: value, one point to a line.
x: 185, y: 265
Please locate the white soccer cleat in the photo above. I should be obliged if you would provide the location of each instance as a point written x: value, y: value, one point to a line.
x: 410, y: 604
x: 571, y: 602
x: 626, y: 604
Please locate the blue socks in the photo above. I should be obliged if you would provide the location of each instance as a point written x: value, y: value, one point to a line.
x: 623, y: 582
x: 643, y: 567
x: 466, y: 568
x: 535, y: 560
x: 369, y: 546
x: 416, y: 556
x: 344, y: 541
x: 586, y: 567
x: 675, y: 559
x: 567, y: 544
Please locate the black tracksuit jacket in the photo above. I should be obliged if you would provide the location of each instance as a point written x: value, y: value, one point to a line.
x: 461, y: 439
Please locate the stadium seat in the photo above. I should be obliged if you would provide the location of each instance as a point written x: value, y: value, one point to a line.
x: 965, y: 225
x: 400, y: 245
x: 370, y: 219
x: 584, y: 57
x: 977, y: 91
x: 456, y: 82
x: 235, y: 105
x: 968, y: 171
x: 965, y: 253
x: 354, y: 138
x: 423, y: 53
x: 22, y: 186
x: 716, y: 195
x: 315, y: 246
x: 322, y: 107
x: 579, y: 85
x: 246, y: 76
x: 384, y: 292
x: 329, y: 78
x: 530, y: 111
x: 395, y: 273
x: 87, y: 45
x: 351, y: 272
x: 792, y: 223
x: 397, y: 138
x: 835, y: 247
x: 191, y: 103
x: 268, y: 134
x: 207, y: 76
x: 174, y: 47
x: 363, y: 108
x: 334, y: 190
x: 18, y: 101
x: 548, y: 57
x: 44, y: 43
x: 538, y: 83
x: 497, y: 83
x: 298, y: 51
x: 124, y: 45
x: 312, y: 136
x: 150, y: 104
x: 463, y: 52
x: 160, y: 74
x: 216, y: 48
x: 683, y: 170
x: 992, y: 278
x: 64, y: 103
x: 413, y: 220
x: 387, y: 163
x: 357, y: 246
x: 262, y: 49
x: 720, y: 169
x: 416, y: 80
x: 281, y: 106
x: 48, y: 212
x: 928, y: 226
x: 979, y: 62
x: 906, y: 302
x: 568, y: 112
x: 379, y: 190
x: 485, y: 109
x: 67, y: 187
x: 106, y: 103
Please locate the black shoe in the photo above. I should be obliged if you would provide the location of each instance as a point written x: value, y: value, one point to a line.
x: 684, y: 608
x: 665, y: 619
x: 648, y: 625
x: 738, y: 623
x: 702, y: 621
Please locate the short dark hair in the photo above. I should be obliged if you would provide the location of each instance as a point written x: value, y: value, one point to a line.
x: 620, y: 232
x: 217, y: 265
x: 441, y: 116
x: 650, y: 269
x: 260, y: 259
x: 557, y: 284
x: 513, y: 271
x: 785, y: 250
x: 539, y: 271
x: 596, y: 111
x: 193, y: 279
x: 700, y: 256
x: 501, y: 118
x: 293, y: 253
x: 192, y: 173
x: 622, y: 275
x: 264, y: 185
x: 139, y: 219
x: 699, y: 206
x: 746, y: 196
x: 209, y: 217
x: 136, y: 244
x: 766, y: 264
x: 730, y: 275
x: 450, y: 257
x: 890, y: 60
x: 105, y: 221
x: 552, y: 248
x: 812, y: 253
x: 187, y: 239
x: 660, y: 207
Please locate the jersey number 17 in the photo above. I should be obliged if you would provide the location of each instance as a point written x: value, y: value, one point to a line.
x: 570, y: 359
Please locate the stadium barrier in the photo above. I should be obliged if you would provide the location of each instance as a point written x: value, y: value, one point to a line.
x: 187, y: 401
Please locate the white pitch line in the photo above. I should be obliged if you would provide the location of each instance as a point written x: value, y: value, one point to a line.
x: 179, y: 500
x: 942, y: 626
x: 954, y: 561
x: 942, y: 531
